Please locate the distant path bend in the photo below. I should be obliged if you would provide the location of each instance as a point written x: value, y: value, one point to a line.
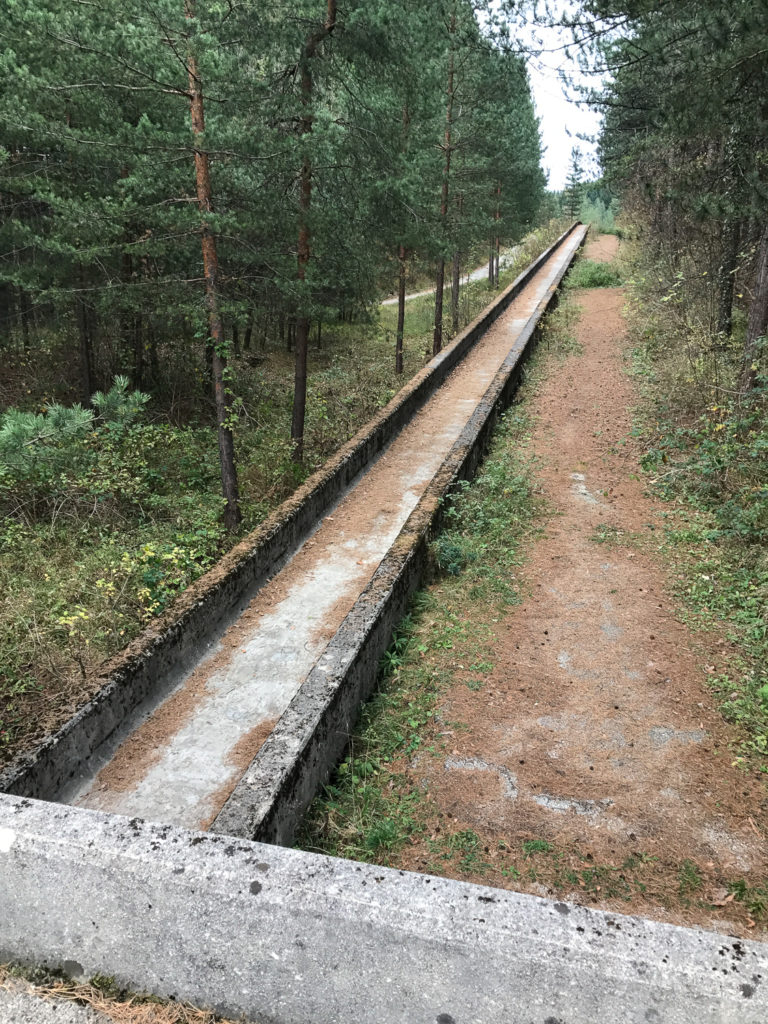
x: 476, y: 275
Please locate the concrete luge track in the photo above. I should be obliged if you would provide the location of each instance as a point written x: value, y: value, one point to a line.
x: 161, y: 659
x: 181, y: 762
x: 277, y: 934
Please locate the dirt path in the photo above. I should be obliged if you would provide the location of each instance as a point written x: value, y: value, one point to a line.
x: 180, y: 763
x: 596, y: 734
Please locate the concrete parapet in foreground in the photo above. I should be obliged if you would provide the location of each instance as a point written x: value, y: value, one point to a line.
x: 294, y: 938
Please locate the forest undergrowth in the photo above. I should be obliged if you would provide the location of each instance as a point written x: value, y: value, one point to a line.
x: 706, y: 455
x: 105, y: 525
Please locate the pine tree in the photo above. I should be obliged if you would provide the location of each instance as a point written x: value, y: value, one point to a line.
x: 216, y: 339
x: 573, y: 186
x: 682, y: 139
x: 321, y: 135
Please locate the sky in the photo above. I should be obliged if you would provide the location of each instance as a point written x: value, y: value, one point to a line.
x: 562, y: 120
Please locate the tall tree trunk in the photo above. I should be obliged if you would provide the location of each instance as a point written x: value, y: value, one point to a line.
x: 491, y: 264
x: 146, y: 357
x: 437, y: 337
x: 217, y: 341
x: 305, y: 241
x: 7, y: 312
x: 402, y: 254
x: 299, y: 387
x: 151, y: 349
x: 455, y: 284
x: 132, y: 327
x: 138, y: 353
x: 248, y: 334
x: 25, y: 315
x: 726, y: 275
x: 86, y: 350
x: 758, y: 320
x: 497, y: 240
x: 400, y: 310
x: 127, y: 273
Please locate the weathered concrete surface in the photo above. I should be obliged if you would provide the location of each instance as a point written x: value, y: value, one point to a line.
x: 150, y: 668
x: 294, y: 938
x: 310, y: 737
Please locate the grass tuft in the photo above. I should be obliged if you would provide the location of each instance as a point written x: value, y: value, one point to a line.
x: 591, y: 274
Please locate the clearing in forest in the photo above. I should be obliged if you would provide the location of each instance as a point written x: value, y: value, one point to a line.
x: 570, y: 746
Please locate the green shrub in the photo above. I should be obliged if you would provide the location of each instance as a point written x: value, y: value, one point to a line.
x: 590, y: 274
x: 599, y: 216
x: 450, y: 554
x: 119, y: 407
x: 721, y: 463
x: 54, y: 459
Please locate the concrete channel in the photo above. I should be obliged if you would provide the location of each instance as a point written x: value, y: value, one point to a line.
x: 231, y: 712
x: 185, y: 710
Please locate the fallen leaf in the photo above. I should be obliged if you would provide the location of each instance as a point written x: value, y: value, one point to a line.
x: 724, y: 902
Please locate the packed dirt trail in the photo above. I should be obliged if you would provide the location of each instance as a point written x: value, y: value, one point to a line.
x: 596, y: 733
x: 178, y: 763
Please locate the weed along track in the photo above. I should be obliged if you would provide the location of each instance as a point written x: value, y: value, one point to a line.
x: 177, y: 756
